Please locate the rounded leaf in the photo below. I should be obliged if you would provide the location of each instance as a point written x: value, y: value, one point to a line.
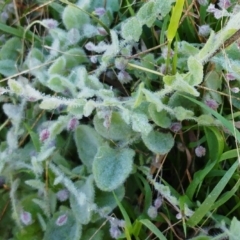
x: 111, y: 167
x: 117, y: 128
x: 132, y: 29
x: 159, y: 143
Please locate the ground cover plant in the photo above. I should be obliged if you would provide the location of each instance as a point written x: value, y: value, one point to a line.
x: 119, y: 119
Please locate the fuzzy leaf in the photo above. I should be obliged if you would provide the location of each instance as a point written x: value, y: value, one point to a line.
x: 83, y: 213
x: 11, y: 49
x: 147, y: 13
x: 159, y: 143
x: 160, y: 118
x: 70, y: 230
x: 72, y: 17
x: 111, y: 167
x: 49, y: 104
x: 58, y: 67
x: 87, y: 141
x: 15, y: 87
x: 182, y: 113
x: 140, y: 123
x: 196, y: 69
x: 8, y: 67
x: 131, y: 29
x: 117, y: 130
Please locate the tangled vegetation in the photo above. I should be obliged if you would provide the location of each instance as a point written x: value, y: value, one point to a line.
x: 119, y: 119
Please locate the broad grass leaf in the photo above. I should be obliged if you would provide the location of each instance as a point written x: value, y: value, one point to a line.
x: 111, y: 167
x: 205, y: 207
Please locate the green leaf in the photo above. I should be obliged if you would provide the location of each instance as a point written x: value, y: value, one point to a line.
x: 132, y: 29
x: 215, y: 141
x: 147, y: 13
x: 153, y: 229
x: 71, y: 230
x: 11, y: 49
x: 15, y: 87
x: 160, y: 118
x: 58, y: 67
x: 234, y: 229
x: 175, y: 19
x: 182, y: 113
x: 140, y: 123
x: 196, y: 69
x: 8, y: 67
x: 118, y: 129
x: 87, y: 141
x: 159, y: 143
x: 83, y: 213
x: 139, y: 95
x: 111, y: 167
x: 73, y: 17
x: 204, y: 208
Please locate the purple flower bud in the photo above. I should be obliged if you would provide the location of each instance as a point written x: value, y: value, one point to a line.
x: 62, y: 220
x: 211, y: 8
x: 26, y: 218
x: 124, y: 77
x: 212, y: 104
x: 121, y: 63
x: 93, y: 59
x: 4, y: 17
x: 204, y: 30
x: 203, y: 2
x: 62, y: 195
x: 200, y: 151
x: 235, y: 90
x: 72, y: 124
x: 230, y: 76
x: 121, y: 223
x: 179, y: 216
x: 44, y: 135
x: 90, y: 46
x: 158, y: 202
x: 100, y: 11
x: 102, y: 31
x: 176, y: 127
x: 115, y: 232
x: 50, y: 23
x: 152, y: 212
x: 224, y: 4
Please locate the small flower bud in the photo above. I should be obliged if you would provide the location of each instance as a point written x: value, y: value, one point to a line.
x: 102, y: 31
x: 26, y: 218
x: 212, y: 104
x: 124, y: 77
x: 93, y: 59
x: 158, y: 202
x: 235, y: 90
x: 62, y: 195
x: 230, y: 76
x: 176, y: 127
x: 50, y: 23
x: 115, y: 232
x: 121, y: 63
x: 90, y: 46
x: 62, y: 220
x: 200, y: 151
x: 224, y: 4
x: 44, y: 135
x: 203, y: 2
x: 152, y: 212
x: 179, y: 216
x: 204, y: 30
x: 100, y: 11
x: 72, y: 124
x: 4, y: 17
